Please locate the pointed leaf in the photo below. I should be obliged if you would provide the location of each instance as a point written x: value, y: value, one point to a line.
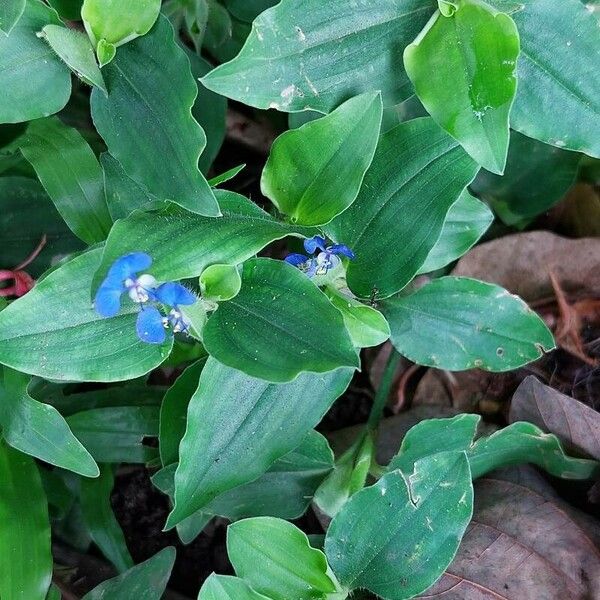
x: 39, y: 429
x: 226, y: 587
x: 463, y: 68
x: 417, y: 174
x: 146, y: 119
x: 25, y: 556
x: 41, y: 332
x: 274, y: 325
x: 294, y: 59
x: 458, y: 323
x: 233, y: 438
x: 314, y: 173
x: 34, y: 81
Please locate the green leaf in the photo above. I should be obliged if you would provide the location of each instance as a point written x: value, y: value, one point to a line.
x: 26, y: 215
x: 25, y: 556
x: 42, y: 332
x: 366, y: 326
x: 314, y: 173
x: 10, y: 13
x: 117, y: 434
x: 226, y: 587
x: 39, y: 429
x: 71, y: 174
x: 146, y: 581
x: 458, y: 323
x: 417, y: 174
x: 248, y: 10
x: 397, y: 537
x: 105, y: 51
x: 220, y: 282
x: 34, y: 81
x: 67, y: 9
x: 276, y: 559
x: 523, y: 442
x: 536, y: 177
x: 173, y: 412
x: 467, y: 220
x: 432, y: 436
x: 146, y: 120
x: 100, y: 520
x: 273, y: 328
x: 558, y: 101
x: 232, y: 438
x: 74, y: 49
x: 463, y: 68
x: 182, y: 244
x: 118, y: 23
x: 294, y: 59
x: 226, y: 176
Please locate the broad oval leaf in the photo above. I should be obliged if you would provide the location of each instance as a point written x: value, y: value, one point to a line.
x: 397, y: 537
x: 38, y: 429
x: 182, y: 244
x: 146, y: 581
x: 314, y: 172
x: 238, y: 426
x: 25, y: 555
x: 276, y: 559
x: 71, y: 174
x: 34, y: 81
x: 467, y: 220
x: 41, y: 332
x: 273, y: 328
x: 463, y: 68
x: 558, y: 101
x: 226, y: 587
x: 146, y: 119
x: 313, y: 54
x: 417, y: 173
x: 458, y: 323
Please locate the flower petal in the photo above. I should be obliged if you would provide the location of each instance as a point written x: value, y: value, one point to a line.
x: 108, y: 298
x: 311, y: 244
x: 174, y: 294
x: 342, y: 249
x: 149, y: 326
x: 128, y: 265
x: 296, y: 259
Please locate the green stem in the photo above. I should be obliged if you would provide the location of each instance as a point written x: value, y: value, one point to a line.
x: 383, y: 391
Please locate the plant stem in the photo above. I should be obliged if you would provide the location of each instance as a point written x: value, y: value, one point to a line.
x: 383, y: 391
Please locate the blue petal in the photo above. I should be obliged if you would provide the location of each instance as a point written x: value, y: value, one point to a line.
x: 296, y: 259
x: 128, y: 265
x: 149, y: 326
x: 174, y: 294
x: 311, y: 244
x: 108, y: 298
x: 341, y: 249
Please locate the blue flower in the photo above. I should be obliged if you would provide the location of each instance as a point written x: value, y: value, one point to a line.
x: 326, y: 259
x: 123, y: 277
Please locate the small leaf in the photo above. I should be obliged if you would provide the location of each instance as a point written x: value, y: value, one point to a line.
x: 418, y: 172
x: 226, y: 587
x: 220, y: 282
x: 25, y: 555
x: 462, y: 323
x: 41, y: 332
x: 276, y: 559
x: 10, y: 13
x: 146, y: 120
x: 231, y: 440
x: 71, y: 174
x: 39, y: 429
x: 314, y: 173
x: 74, y: 49
x: 34, y: 81
x: 100, y: 520
x: 397, y: 537
x: 293, y: 59
x: 463, y: 67
x: 467, y: 220
x: 226, y: 176
x: 146, y: 581
x: 274, y: 326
